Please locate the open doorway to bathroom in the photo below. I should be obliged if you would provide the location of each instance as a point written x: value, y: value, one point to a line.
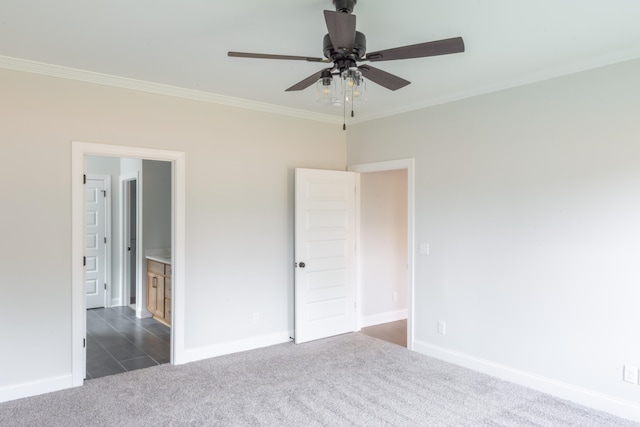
x: 132, y: 328
x: 80, y: 151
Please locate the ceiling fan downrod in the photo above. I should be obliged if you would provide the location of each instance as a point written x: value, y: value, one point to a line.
x: 344, y: 6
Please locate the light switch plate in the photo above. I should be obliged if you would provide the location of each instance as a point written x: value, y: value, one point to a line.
x: 630, y: 374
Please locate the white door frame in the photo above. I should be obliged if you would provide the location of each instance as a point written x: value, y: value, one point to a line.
x: 125, y: 289
x: 79, y: 152
x: 107, y: 233
x: 409, y: 165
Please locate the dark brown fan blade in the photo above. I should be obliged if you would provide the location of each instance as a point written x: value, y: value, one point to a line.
x: 306, y: 82
x: 421, y: 50
x: 269, y: 56
x: 342, y: 29
x: 383, y: 78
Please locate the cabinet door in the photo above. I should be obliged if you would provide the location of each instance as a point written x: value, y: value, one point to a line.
x: 167, y: 311
x: 155, y: 294
x: 152, y: 292
x: 159, y: 296
x: 167, y: 299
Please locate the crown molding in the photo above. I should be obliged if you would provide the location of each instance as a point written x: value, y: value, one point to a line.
x: 526, y: 79
x: 178, y: 92
x: 156, y: 88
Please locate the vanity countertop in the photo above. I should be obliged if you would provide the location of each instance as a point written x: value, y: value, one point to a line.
x: 160, y: 258
x: 162, y: 255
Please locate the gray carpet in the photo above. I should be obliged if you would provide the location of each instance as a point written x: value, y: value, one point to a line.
x: 347, y: 380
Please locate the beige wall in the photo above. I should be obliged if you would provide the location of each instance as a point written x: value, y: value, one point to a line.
x: 239, y: 202
x: 530, y: 201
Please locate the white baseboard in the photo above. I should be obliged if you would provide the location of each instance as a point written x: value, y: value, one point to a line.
x: 194, y: 354
x: 116, y: 302
x: 389, y: 316
x: 34, y: 388
x: 600, y: 401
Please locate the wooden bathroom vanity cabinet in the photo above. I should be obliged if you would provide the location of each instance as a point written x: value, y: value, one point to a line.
x: 159, y: 290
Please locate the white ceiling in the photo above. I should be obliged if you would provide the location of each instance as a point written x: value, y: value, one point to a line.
x: 184, y: 44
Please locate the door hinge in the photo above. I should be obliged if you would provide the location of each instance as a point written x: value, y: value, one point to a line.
x: 104, y: 193
x: 84, y: 343
x: 84, y: 178
x: 105, y: 286
x: 84, y: 261
x: 105, y: 240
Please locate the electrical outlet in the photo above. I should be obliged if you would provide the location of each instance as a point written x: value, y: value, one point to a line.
x: 441, y: 327
x: 424, y: 249
x: 256, y: 318
x: 630, y: 374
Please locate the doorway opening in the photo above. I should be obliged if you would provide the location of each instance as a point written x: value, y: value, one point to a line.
x: 394, y: 332
x: 121, y: 335
x: 129, y: 188
x: 121, y: 295
x: 383, y: 255
x: 386, y: 256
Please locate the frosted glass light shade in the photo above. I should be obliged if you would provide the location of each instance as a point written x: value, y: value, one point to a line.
x: 354, y: 88
x: 326, y: 89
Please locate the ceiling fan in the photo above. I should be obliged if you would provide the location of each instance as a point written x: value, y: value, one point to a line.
x: 345, y: 47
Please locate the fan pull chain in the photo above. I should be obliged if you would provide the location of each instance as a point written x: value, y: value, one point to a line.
x: 344, y: 113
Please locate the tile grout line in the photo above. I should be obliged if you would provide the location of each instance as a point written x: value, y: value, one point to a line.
x: 119, y: 315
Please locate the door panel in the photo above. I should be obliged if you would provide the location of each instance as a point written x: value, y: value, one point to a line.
x: 325, y: 208
x: 95, y: 254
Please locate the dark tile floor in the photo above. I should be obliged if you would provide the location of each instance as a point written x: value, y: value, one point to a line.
x: 393, y: 332
x: 117, y: 341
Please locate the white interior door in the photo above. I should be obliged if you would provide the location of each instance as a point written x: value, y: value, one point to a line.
x: 95, y: 253
x: 325, y: 253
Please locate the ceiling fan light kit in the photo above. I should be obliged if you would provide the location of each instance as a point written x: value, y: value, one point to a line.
x: 326, y: 89
x: 345, y: 47
x: 353, y: 86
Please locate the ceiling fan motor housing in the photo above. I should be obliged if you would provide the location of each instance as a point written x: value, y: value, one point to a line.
x: 357, y: 53
x: 345, y: 6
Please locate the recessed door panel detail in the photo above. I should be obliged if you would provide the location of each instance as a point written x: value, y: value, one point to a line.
x: 92, y: 241
x: 329, y: 309
x: 323, y: 220
x: 325, y: 190
x: 326, y: 249
x: 92, y: 219
x: 92, y: 195
x: 327, y: 279
x: 92, y: 265
x: 92, y: 287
